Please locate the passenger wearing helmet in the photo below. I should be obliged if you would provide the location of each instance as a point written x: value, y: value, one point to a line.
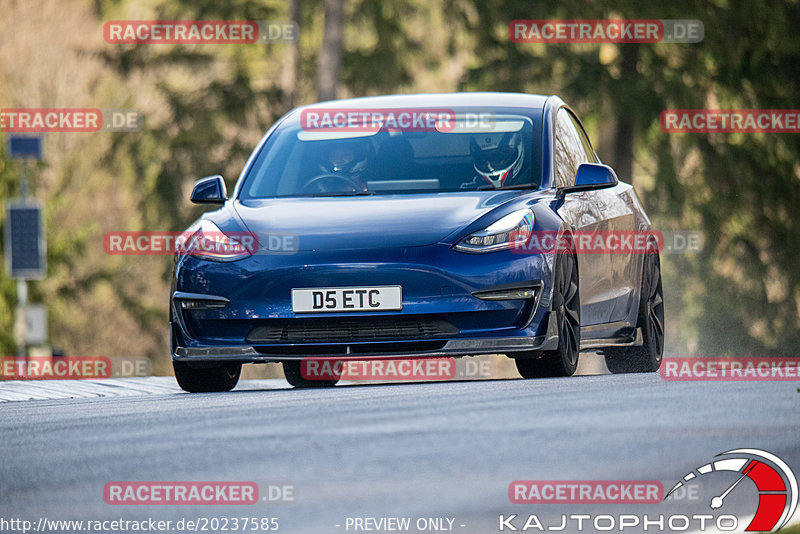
x: 498, y: 158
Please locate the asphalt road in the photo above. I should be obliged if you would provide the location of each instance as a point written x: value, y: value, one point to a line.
x: 428, y: 450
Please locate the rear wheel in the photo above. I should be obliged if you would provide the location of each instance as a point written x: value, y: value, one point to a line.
x: 566, y: 312
x: 647, y: 357
x: 293, y: 374
x: 203, y: 380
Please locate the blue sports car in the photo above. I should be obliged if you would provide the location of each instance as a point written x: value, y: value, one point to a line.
x: 418, y: 226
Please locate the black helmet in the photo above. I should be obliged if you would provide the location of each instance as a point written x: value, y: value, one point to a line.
x: 346, y: 157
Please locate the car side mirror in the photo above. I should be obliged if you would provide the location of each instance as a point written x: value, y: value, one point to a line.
x: 592, y: 176
x: 209, y: 190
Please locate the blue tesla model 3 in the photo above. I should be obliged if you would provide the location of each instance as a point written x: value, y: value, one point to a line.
x: 401, y: 226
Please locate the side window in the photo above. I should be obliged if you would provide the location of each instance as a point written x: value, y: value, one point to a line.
x: 591, y: 157
x: 569, y: 150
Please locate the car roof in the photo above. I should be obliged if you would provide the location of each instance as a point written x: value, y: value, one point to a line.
x: 444, y: 100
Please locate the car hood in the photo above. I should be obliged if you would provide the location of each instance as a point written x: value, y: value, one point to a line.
x: 362, y: 222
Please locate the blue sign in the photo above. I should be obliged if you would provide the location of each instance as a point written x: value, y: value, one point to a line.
x: 25, y: 242
x: 25, y: 147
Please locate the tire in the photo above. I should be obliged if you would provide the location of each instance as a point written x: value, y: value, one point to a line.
x: 205, y: 380
x: 566, y: 311
x: 647, y: 357
x: 291, y: 370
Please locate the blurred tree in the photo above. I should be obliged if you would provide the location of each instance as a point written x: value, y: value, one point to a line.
x: 9, y: 178
x: 330, y: 56
x: 291, y: 69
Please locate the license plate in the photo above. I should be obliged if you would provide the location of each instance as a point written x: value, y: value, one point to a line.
x: 345, y: 299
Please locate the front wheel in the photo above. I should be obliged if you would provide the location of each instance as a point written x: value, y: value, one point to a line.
x: 566, y: 311
x: 647, y: 357
x: 205, y: 380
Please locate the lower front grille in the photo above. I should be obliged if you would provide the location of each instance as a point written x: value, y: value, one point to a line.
x: 347, y: 329
x: 352, y: 350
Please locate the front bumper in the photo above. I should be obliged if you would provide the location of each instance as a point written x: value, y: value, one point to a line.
x: 449, y: 348
x: 243, y: 310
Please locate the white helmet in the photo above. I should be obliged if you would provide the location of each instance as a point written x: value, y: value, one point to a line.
x: 497, y: 157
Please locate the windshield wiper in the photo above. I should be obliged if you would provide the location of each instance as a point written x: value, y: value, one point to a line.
x: 489, y: 187
x: 350, y: 194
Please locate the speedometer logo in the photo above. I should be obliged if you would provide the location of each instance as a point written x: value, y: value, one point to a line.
x: 776, y: 484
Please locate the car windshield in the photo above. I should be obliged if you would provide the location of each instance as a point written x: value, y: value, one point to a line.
x: 460, y: 151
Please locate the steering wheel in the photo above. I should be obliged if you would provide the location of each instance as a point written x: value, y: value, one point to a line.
x: 318, y: 184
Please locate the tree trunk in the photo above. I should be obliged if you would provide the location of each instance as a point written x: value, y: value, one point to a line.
x: 292, y: 61
x: 329, y: 66
x: 623, y: 138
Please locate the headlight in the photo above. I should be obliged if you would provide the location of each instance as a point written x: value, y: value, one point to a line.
x: 205, y: 240
x: 510, y: 231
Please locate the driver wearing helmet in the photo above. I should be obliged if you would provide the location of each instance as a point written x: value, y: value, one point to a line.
x: 498, y: 158
x: 346, y: 159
